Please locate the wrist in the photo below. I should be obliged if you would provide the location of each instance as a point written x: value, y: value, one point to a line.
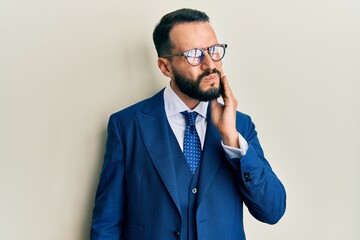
x: 231, y: 140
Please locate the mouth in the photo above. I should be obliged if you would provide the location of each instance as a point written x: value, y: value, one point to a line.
x: 212, y: 78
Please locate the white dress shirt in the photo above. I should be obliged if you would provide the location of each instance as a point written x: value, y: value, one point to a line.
x: 173, y: 108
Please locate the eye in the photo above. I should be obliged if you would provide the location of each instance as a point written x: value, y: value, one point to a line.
x: 216, y: 52
x: 194, y: 56
x: 194, y: 53
x: 212, y: 49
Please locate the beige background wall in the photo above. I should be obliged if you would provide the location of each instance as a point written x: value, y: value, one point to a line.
x: 65, y: 66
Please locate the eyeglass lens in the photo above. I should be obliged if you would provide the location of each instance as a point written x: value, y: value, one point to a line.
x: 196, y: 56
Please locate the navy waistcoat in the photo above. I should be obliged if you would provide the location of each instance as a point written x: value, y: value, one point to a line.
x: 187, y: 185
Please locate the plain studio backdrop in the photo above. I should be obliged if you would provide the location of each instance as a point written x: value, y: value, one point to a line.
x: 65, y: 66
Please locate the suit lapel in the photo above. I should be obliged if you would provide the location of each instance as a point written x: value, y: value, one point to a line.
x: 154, y: 128
x: 213, y: 154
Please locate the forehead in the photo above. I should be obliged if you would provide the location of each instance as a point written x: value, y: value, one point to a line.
x: 186, y: 36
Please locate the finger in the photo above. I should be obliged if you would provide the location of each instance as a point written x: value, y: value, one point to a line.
x: 228, y: 96
x: 227, y: 90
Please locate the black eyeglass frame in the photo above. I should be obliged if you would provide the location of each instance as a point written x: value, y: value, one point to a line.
x: 185, y: 54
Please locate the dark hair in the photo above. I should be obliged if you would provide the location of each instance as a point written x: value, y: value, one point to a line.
x: 161, y: 32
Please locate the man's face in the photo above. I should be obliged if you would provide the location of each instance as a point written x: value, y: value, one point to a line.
x: 200, y: 82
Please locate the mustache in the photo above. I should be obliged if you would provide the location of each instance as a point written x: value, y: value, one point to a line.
x: 208, y: 72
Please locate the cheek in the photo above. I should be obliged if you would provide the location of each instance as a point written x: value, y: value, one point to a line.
x: 219, y: 66
x: 187, y: 71
x: 193, y: 74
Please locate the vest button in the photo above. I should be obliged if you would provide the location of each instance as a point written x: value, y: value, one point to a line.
x: 177, y: 234
x: 194, y: 190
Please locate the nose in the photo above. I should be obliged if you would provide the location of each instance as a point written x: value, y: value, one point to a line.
x: 207, y: 63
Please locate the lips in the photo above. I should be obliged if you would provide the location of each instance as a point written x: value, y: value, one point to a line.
x: 210, y: 78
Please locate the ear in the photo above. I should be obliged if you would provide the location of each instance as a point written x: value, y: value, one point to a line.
x: 165, y: 67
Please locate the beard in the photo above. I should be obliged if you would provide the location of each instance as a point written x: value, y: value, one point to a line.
x: 192, y: 88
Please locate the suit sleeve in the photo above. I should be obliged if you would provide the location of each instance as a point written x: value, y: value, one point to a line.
x: 108, y: 212
x: 263, y: 193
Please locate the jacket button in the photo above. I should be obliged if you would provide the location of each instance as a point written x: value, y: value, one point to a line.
x: 177, y: 234
x: 247, y: 177
x: 194, y: 190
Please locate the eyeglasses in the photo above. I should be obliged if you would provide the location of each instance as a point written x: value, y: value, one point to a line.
x: 196, y: 56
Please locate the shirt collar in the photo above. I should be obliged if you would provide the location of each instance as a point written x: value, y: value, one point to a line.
x: 174, y: 105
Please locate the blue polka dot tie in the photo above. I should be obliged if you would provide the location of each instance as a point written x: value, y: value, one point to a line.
x: 192, y: 145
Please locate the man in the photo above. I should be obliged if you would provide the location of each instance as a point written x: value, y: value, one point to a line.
x: 179, y: 165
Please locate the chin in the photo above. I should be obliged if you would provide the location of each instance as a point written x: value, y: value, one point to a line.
x: 214, y: 86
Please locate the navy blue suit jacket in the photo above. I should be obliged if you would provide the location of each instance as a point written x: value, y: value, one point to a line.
x: 137, y: 196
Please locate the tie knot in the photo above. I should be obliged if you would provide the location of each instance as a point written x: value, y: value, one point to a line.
x: 190, y: 117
